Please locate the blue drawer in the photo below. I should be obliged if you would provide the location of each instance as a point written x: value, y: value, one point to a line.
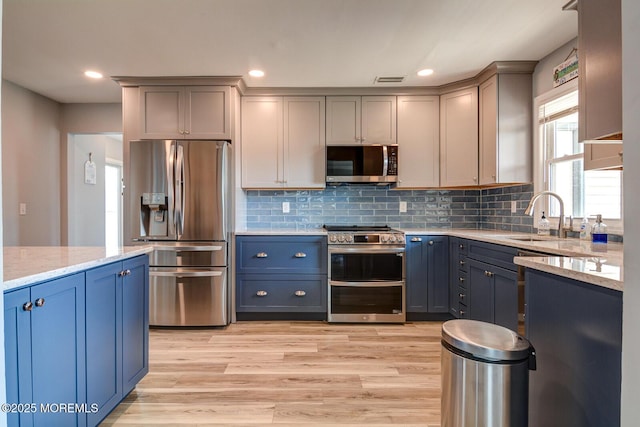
x: 281, y: 254
x: 281, y: 293
x: 498, y: 255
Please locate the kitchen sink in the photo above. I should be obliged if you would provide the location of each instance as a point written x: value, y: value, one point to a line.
x: 529, y: 239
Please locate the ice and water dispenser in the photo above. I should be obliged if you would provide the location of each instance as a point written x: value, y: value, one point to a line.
x: 154, y: 212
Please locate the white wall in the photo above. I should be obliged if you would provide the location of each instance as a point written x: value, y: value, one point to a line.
x: 631, y: 135
x: 30, y: 167
x: 543, y: 75
x: 86, y: 202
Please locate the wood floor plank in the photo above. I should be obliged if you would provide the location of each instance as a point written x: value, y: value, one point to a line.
x: 290, y: 374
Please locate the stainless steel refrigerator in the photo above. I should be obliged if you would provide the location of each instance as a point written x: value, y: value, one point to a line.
x: 178, y: 192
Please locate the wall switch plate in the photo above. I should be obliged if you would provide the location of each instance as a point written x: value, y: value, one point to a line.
x: 403, y: 207
x: 23, y: 208
x: 513, y: 206
x: 285, y: 207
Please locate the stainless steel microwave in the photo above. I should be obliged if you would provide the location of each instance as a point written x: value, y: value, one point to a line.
x: 362, y: 163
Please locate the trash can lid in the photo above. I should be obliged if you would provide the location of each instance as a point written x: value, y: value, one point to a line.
x: 485, y: 340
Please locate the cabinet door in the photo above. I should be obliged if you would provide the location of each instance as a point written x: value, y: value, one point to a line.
x: 481, y: 295
x: 600, y: 69
x: 459, y: 138
x: 57, y: 348
x: 304, y: 147
x: 602, y: 156
x: 417, y: 271
x: 206, y: 112
x: 438, y: 278
x: 418, y: 139
x: 161, y: 112
x: 378, y: 122
x: 262, y: 142
x: 343, y: 120
x: 17, y: 348
x: 135, y: 322
x: 505, y: 287
x: 488, y: 131
x: 104, y: 338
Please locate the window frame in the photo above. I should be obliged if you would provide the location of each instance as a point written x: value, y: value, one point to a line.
x: 615, y: 226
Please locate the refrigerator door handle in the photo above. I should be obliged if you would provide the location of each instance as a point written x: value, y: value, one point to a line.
x: 185, y: 248
x: 170, y: 165
x: 179, y: 179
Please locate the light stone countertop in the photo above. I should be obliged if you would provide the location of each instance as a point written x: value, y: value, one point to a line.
x: 570, y: 257
x: 26, y: 265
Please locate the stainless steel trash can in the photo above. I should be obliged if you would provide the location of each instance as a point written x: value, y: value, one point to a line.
x: 485, y: 375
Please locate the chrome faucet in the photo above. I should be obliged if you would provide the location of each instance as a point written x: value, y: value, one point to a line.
x: 562, y: 232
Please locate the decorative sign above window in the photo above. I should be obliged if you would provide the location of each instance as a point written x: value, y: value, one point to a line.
x: 566, y: 71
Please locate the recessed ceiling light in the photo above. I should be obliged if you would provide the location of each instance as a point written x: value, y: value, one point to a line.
x: 256, y: 73
x: 425, y: 72
x: 93, y: 74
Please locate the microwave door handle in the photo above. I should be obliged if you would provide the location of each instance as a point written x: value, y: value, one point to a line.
x: 385, y: 161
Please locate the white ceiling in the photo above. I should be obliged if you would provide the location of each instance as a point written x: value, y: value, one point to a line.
x: 47, y: 44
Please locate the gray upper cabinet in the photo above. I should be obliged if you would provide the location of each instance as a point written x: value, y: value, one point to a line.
x: 185, y: 112
x: 361, y: 120
x: 505, y: 116
x: 600, y: 68
x: 418, y: 135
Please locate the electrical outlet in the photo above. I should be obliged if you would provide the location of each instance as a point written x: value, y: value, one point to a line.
x: 285, y: 207
x: 403, y: 207
x: 23, y: 208
x: 513, y: 206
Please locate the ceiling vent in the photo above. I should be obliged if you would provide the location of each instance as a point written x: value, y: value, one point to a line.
x: 389, y: 79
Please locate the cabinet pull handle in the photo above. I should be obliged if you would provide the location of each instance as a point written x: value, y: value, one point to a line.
x: 488, y: 274
x: 39, y: 302
x: 124, y: 273
x: 261, y: 293
x: 462, y: 262
x: 460, y: 295
x: 261, y: 255
x: 430, y: 242
x: 27, y: 306
x: 300, y: 293
x: 186, y: 132
x: 462, y: 313
x: 461, y: 246
x: 416, y: 239
x: 300, y: 255
x: 461, y: 279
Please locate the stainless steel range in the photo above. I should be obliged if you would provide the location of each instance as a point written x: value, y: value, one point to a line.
x: 366, y: 274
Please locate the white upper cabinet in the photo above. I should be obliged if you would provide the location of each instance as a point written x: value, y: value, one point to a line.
x: 283, y: 142
x: 418, y: 141
x: 458, y: 138
x: 505, y: 137
x: 185, y: 112
x: 361, y: 120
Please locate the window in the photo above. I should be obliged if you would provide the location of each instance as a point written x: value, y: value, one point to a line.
x: 560, y: 156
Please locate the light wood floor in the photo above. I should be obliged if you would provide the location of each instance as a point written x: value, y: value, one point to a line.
x: 289, y: 373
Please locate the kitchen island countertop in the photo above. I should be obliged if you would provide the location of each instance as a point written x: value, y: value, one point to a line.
x: 26, y: 265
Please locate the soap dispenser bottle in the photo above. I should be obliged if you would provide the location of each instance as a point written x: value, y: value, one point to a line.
x: 599, y: 231
x: 543, y: 226
x: 585, y: 229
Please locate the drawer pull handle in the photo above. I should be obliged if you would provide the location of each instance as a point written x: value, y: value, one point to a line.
x: 416, y: 239
x: 461, y: 279
x: 300, y: 293
x: 461, y: 246
x: 261, y: 255
x: 300, y: 255
x: 39, y: 302
x: 488, y: 274
x: 27, y: 306
x: 460, y: 295
x: 430, y: 242
x: 462, y: 262
x: 261, y: 293
x: 462, y: 313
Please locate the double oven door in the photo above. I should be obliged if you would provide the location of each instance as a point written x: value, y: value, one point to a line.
x: 366, y: 284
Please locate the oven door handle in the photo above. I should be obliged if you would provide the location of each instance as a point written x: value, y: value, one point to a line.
x: 365, y: 284
x: 377, y: 250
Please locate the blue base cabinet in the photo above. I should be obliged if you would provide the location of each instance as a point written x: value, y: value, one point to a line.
x: 427, y: 274
x: 576, y: 329
x: 117, y: 341
x: 81, y: 339
x: 44, y: 344
x: 281, y: 277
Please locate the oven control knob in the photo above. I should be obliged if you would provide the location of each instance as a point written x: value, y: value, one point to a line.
x: 333, y: 238
x: 392, y: 238
x: 348, y: 238
x: 384, y: 238
x: 341, y: 238
x: 400, y: 238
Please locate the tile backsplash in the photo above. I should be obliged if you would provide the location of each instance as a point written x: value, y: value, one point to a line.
x: 488, y: 208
